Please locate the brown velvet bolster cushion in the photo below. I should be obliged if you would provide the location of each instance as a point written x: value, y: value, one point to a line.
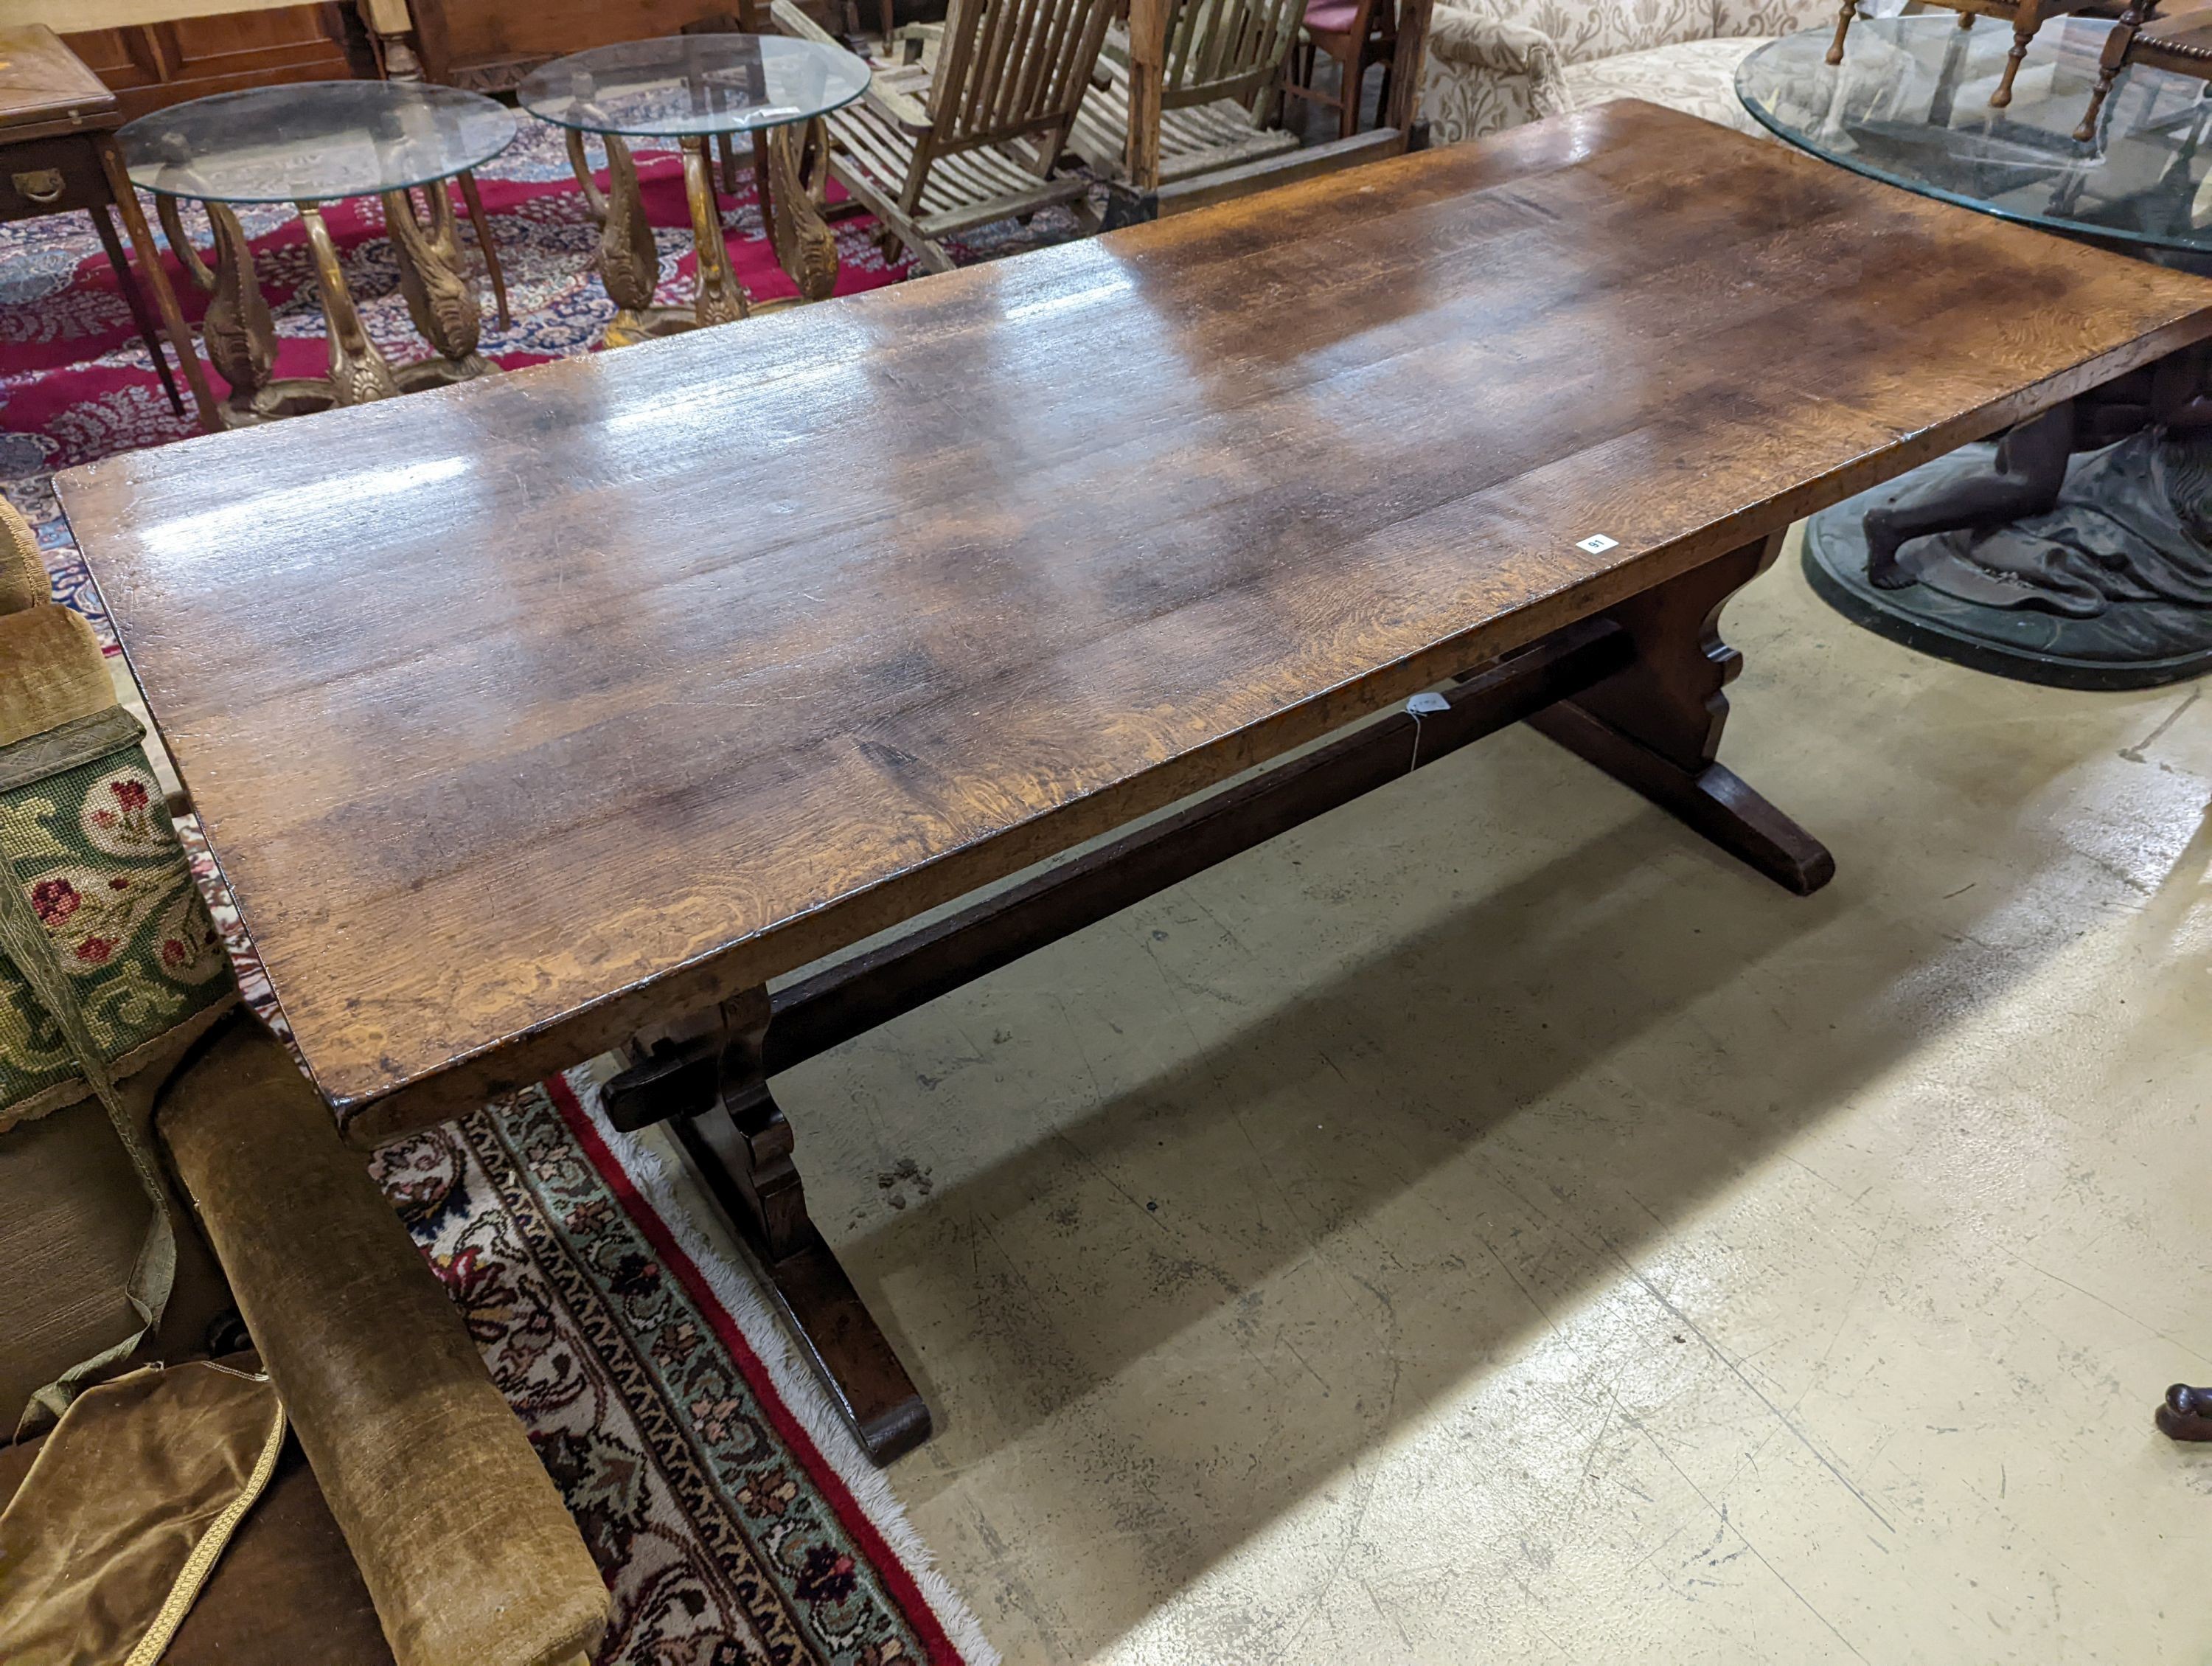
x: 467, y: 1548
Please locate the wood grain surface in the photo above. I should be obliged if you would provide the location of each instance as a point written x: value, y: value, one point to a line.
x: 45, y: 88
x: 713, y: 655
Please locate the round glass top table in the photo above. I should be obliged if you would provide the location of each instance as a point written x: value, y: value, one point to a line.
x: 310, y: 142
x: 2077, y: 550
x: 687, y: 88
x: 1909, y: 105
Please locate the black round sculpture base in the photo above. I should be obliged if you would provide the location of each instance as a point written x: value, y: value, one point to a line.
x: 2130, y: 645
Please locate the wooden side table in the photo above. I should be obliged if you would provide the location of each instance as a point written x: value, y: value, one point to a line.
x: 55, y: 119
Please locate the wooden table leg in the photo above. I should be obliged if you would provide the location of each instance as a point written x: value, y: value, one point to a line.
x: 1658, y: 724
x: 474, y: 198
x: 741, y: 1148
x: 149, y: 262
x: 135, y: 298
x: 359, y: 370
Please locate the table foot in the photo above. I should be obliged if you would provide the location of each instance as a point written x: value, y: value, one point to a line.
x: 2185, y: 1413
x: 1713, y: 802
x: 741, y: 1145
x: 1656, y: 725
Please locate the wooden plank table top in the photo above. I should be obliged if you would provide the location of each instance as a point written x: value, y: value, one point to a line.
x: 510, y: 706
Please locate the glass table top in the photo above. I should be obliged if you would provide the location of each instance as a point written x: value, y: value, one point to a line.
x: 313, y: 141
x: 1909, y: 104
x: 694, y: 83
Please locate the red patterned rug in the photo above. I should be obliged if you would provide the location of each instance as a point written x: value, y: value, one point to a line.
x: 734, y: 1516
x: 728, y: 1532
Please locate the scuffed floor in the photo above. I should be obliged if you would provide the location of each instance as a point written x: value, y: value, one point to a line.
x: 1489, y: 1225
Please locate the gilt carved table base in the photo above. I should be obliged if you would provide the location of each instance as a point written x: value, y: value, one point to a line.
x: 240, y: 336
x: 629, y: 261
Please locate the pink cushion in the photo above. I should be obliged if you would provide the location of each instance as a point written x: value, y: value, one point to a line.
x: 1333, y: 16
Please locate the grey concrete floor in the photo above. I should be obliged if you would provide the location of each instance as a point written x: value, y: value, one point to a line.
x: 1489, y: 1224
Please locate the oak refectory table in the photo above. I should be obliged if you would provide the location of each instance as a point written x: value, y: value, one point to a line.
x: 563, y: 711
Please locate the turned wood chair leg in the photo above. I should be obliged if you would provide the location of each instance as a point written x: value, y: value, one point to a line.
x: 1656, y: 725
x: 2117, y: 44
x: 2088, y: 130
x: 2021, y: 39
x: 1843, y: 17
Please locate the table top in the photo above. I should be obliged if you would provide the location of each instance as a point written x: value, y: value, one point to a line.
x: 1909, y: 105
x: 314, y: 141
x: 694, y: 83
x: 710, y: 656
x: 45, y: 89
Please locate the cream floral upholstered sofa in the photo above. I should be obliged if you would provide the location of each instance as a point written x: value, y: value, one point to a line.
x: 1495, y: 63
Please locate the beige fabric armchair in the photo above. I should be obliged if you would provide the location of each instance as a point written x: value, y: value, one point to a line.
x: 1495, y: 63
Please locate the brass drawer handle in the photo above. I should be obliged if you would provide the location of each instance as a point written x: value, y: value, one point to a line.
x: 42, y: 186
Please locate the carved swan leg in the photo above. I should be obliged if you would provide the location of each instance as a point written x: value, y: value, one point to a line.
x: 442, y: 303
x: 240, y: 335
x: 799, y: 169
x: 359, y: 371
x: 629, y: 264
x: 717, y: 296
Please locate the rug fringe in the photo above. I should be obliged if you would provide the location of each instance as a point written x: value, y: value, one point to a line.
x: 649, y: 1164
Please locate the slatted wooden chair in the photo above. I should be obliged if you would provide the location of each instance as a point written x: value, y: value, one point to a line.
x: 983, y: 139
x: 2026, y: 16
x: 1219, y: 87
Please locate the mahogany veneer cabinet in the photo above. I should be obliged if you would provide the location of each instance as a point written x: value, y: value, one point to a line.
x: 490, y: 45
x: 149, y: 66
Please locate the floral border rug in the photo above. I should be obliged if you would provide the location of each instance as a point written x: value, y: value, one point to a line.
x: 727, y: 1532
